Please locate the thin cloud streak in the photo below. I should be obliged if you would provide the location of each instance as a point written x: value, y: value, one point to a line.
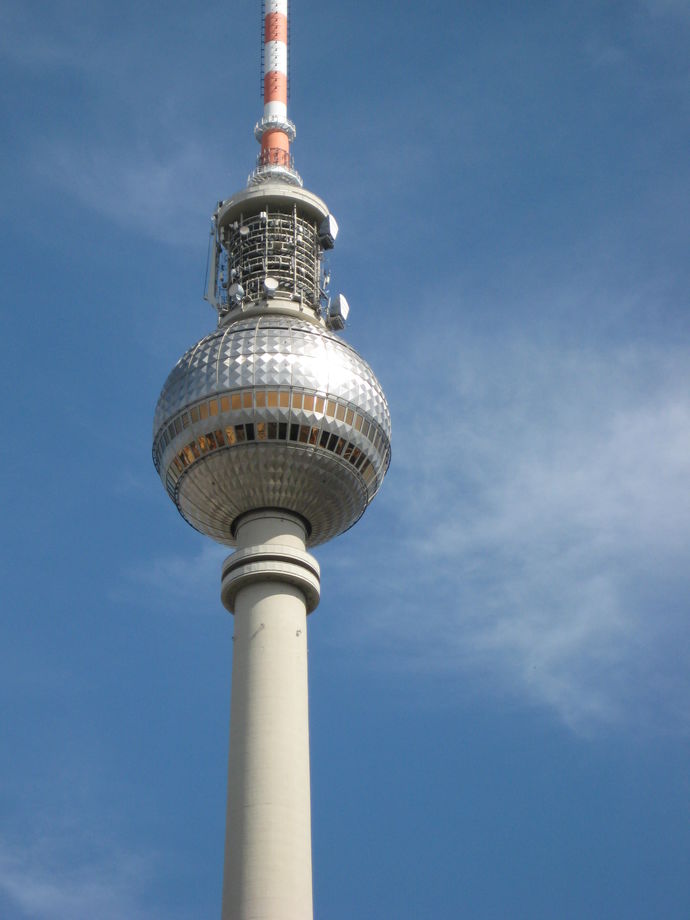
x: 36, y: 882
x: 26, y: 43
x: 157, y: 194
x: 182, y: 578
x: 679, y: 9
x: 547, y: 490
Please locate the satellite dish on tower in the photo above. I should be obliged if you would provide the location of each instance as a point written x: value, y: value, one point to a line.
x: 338, y: 311
x: 328, y: 231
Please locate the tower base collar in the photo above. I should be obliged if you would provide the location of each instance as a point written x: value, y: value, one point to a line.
x: 270, y: 562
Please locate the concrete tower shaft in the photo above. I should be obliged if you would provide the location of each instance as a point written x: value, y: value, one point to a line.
x: 270, y: 584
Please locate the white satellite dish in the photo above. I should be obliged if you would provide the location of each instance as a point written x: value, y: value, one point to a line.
x: 235, y: 293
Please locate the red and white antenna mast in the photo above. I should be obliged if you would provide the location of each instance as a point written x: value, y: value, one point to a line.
x: 275, y: 132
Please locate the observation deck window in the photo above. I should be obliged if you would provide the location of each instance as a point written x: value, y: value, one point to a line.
x: 271, y: 429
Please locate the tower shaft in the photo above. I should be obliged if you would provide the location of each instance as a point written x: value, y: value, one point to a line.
x: 270, y: 584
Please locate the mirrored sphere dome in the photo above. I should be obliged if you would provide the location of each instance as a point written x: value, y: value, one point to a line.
x: 272, y: 412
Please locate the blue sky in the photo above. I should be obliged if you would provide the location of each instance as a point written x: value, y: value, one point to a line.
x: 499, y: 674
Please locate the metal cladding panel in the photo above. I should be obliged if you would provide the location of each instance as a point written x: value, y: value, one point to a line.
x: 304, y: 355
x: 213, y: 478
x: 224, y: 485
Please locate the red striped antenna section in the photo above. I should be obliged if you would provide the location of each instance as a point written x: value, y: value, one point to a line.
x: 275, y: 131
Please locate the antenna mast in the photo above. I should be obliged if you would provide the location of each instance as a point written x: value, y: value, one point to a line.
x: 275, y: 132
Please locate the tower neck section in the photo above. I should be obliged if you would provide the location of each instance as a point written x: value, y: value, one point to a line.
x: 275, y: 132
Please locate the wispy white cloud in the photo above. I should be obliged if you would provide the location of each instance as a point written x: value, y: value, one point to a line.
x: 26, y: 42
x: 188, y: 579
x: 38, y: 882
x: 604, y: 54
x: 123, y: 147
x: 677, y: 8
x: 545, y: 494
x: 163, y: 194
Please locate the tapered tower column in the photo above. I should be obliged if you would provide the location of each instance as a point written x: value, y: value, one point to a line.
x: 271, y: 583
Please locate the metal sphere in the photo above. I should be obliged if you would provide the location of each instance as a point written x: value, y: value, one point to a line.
x: 272, y: 412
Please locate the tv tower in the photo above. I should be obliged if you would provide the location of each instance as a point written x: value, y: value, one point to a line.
x: 271, y: 435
